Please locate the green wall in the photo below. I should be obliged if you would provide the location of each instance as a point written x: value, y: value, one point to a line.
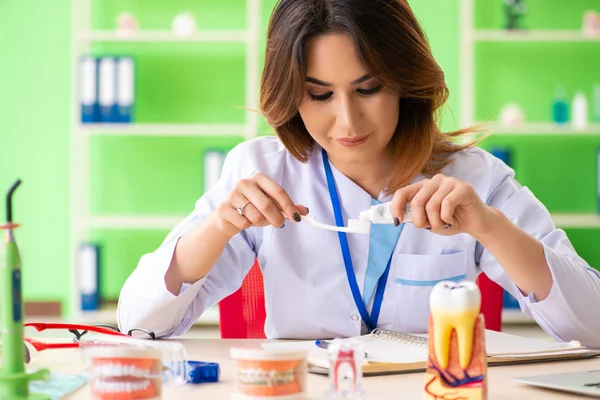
x: 195, y: 83
x: 34, y: 138
x: 442, y: 29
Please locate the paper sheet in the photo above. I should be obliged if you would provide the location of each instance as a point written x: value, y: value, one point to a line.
x: 59, y: 385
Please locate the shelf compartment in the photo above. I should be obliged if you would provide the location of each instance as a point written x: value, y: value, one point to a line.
x: 501, y: 35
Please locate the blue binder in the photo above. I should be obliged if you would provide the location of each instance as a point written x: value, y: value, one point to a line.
x: 88, y: 274
x: 107, y: 89
x: 88, y: 89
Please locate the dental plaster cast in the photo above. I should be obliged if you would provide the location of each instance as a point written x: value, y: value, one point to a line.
x: 125, y: 373
x: 457, y: 366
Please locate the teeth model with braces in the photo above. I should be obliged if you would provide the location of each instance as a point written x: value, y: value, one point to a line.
x: 457, y: 359
x: 273, y: 375
x: 255, y: 376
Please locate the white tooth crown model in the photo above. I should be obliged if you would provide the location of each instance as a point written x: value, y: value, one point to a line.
x: 454, y: 306
x: 457, y: 359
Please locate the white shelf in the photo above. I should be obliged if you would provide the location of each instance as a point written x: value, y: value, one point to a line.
x: 216, y: 36
x: 165, y: 129
x: 501, y: 35
x: 542, y: 128
x: 576, y: 220
x: 516, y: 317
x: 133, y: 221
x: 108, y: 315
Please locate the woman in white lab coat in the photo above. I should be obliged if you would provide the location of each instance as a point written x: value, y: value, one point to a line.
x: 352, y: 91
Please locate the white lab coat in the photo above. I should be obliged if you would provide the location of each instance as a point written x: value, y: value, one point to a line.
x: 306, y: 288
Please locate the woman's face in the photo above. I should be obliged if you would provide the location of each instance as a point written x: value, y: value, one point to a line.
x: 347, y: 112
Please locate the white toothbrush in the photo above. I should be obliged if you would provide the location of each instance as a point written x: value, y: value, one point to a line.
x: 354, y: 225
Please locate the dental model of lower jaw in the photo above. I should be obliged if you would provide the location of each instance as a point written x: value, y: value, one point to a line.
x: 457, y: 360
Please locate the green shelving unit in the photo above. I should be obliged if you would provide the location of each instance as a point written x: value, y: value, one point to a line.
x: 558, y: 163
x: 132, y: 183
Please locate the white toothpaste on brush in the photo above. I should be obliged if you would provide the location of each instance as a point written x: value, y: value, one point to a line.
x: 379, y: 214
x: 382, y: 214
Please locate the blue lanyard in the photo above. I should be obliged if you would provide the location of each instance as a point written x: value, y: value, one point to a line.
x: 370, y: 320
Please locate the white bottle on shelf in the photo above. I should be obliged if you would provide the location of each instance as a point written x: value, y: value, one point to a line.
x: 580, y: 111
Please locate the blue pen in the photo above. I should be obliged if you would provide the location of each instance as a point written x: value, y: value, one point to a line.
x: 324, y: 344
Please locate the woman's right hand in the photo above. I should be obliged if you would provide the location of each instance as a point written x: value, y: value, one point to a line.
x: 261, y: 202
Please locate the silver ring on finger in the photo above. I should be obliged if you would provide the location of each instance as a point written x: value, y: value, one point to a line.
x: 240, y: 210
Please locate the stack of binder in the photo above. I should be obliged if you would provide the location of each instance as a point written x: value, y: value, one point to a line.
x: 106, y: 89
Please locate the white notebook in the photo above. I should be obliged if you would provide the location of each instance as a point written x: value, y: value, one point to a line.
x: 389, y: 352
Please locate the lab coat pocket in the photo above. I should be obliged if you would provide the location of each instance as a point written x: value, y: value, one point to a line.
x: 415, y: 275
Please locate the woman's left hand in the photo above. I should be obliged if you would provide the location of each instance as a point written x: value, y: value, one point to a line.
x: 443, y: 205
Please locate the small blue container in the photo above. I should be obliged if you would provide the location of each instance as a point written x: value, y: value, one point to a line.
x: 202, y: 372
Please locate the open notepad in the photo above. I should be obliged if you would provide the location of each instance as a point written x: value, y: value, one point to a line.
x: 393, y: 352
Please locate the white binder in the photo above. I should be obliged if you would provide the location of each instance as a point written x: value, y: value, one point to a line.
x: 107, y: 93
x: 88, y: 89
x: 125, y: 89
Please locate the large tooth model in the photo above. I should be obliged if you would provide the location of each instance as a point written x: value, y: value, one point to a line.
x: 457, y: 361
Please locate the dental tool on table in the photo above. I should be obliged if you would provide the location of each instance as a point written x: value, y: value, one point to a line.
x: 14, y: 377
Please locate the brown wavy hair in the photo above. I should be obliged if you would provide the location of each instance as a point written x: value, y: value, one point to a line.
x: 391, y: 46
